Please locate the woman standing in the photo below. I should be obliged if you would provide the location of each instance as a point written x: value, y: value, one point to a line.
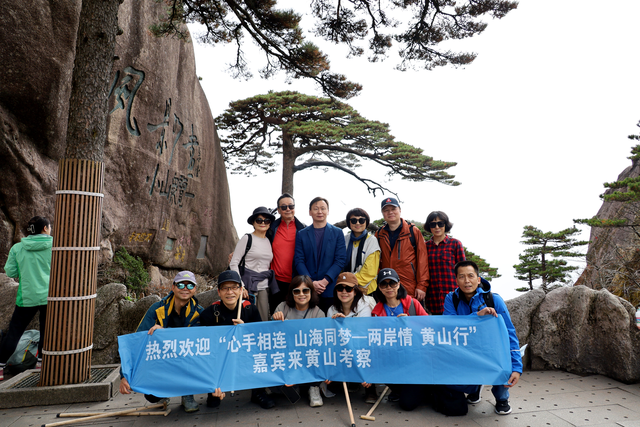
x: 30, y: 262
x: 393, y: 301
x: 363, y: 251
x: 444, y: 252
x: 301, y: 302
x: 252, y: 258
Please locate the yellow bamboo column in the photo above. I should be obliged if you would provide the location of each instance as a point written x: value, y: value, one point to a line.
x: 68, y: 337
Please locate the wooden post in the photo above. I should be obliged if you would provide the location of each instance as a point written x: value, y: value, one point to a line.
x: 68, y: 337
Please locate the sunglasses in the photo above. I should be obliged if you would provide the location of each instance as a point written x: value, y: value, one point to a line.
x: 387, y: 284
x: 183, y: 285
x: 298, y: 291
x: 357, y: 220
x: 266, y: 221
x: 285, y: 207
x: 229, y: 288
x: 435, y: 224
x: 344, y: 288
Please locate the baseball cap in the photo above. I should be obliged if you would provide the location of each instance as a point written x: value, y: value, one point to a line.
x: 229, y: 276
x: 388, y: 274
x: 347, y: 279
x: 185, y: 276
x: 389, y: 201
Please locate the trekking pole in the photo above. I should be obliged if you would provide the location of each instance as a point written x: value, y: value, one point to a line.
x: 375, y: 405
x: 346, y: 393
x: 104, y: 415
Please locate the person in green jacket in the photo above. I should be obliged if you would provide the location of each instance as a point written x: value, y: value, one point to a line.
x: 30, y: 262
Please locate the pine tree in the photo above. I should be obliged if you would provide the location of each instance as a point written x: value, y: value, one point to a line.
x: 416, y: 27
x: 545, y: 258
x: 317, y: 132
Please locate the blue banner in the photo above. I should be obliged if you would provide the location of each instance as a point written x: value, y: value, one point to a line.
x: 380, y: 350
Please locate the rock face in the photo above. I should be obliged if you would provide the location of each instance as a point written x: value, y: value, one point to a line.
x: 166, y: 193
x: 613, y: 258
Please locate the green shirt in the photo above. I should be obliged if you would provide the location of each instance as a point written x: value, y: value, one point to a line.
x: 30, y: 262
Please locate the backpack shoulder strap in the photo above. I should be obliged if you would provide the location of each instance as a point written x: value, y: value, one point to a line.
x: 412, y: 238
x: 246, y: 251
x: 488, y: 299
x: 456, y: 300
x: 412, y: 308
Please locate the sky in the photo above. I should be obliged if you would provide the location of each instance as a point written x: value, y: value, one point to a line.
x: 537, y: 123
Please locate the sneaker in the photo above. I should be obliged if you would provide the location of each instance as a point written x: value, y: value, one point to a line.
x: 370, y: 395
x: 502, y: 407
x: 261, y: 398
x: 474, y: 397
x: 325, y: 390
x: 393, y: 397
x: 165, y: 402
x: 2, y: 371
x: 189, y: 403
x: 212, y: 401
x: 314, y: 397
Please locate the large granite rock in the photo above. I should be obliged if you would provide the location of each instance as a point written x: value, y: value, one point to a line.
x: 585, y: 332
x: 166, y: 193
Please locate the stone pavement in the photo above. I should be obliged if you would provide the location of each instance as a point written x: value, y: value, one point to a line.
x: 541, y: 398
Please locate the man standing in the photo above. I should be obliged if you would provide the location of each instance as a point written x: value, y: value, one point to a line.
x: 179, y: 309
x: 282, y: 235
x: 402, y: 248
x: 320, y: 252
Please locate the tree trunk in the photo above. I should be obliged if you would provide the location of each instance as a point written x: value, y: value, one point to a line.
x: 68, y: 339
x: 288, y: 163
x: 88, y: 106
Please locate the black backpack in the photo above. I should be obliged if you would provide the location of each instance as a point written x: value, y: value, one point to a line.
x: 487, y: 295
x: 450, y: 402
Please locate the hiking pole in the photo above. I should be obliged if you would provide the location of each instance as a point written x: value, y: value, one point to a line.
x: 375, y: 405
x: 91, y: 414
x: 346, y: 393
x: 104, y: 415
x: 239, y: 316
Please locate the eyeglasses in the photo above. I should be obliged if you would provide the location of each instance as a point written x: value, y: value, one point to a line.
x: 298, y: 291
x: 285, y: 207
x: 266, y: 221
x: 435, y: 224
x: 357, y: 220
x: 229, y: 288
x: 386, y: 284
x: 344, y: 288
x: 182, y: 285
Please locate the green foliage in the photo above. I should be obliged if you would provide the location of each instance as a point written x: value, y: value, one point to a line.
x: 486, y: 271
x: 317, y: 132
x: 523, y: 289
x: 417, y: 28
x: 545, y: 258
x: 136, y: 277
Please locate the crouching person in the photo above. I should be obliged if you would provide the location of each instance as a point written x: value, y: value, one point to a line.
x: 472, y: 299
x: 179, y: 309
x: 225, y: 312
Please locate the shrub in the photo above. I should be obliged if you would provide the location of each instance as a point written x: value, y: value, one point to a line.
x: 136, y: 277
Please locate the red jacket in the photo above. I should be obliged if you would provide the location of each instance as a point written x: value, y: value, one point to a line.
x: 379, y: 311
x: 411, y: 265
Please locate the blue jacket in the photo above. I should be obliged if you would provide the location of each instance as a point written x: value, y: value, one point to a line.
x: 159, y: 312
x: 326, y: 265
x: 476, y: 304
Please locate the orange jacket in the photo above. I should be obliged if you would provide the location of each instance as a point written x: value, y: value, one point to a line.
x: 411, y: 265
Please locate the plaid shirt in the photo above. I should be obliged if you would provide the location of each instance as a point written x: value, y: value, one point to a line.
x: 442, y: 279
